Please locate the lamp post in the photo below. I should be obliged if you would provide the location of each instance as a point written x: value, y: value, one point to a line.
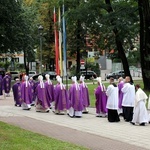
x: 86, y: 62
x: 100, y: 70
x: 40, y: 28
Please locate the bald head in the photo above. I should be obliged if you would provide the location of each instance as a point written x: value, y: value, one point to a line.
x: 111, y: 80
x: 127, y: 79
x: 120, y: 79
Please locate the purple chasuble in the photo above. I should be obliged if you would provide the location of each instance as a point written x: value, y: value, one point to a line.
x: 41, y: 97
x: 85, y: 95
x: 49, y: 89
x: 33, y: 87
x: 101, y: 100
x: 120, y: 86
x: 75, y: 97
x: 16, y: 88
x: 1, y: 78
x: 61, y: 98
x: 6, y: 83
x: 26, y: 94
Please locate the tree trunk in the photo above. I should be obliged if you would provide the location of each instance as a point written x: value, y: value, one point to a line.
x: 26, y: 64
x: 78, y: 47
x: 144, y: 12
x: 120, y: 49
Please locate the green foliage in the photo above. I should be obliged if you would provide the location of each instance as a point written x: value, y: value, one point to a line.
x: 9, y: 26
x: 133, y: 58
x: 73, y: 71
x: 5, y: 65
x: 94, y: 67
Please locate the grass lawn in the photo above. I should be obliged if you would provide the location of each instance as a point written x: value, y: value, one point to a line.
x: 14, y: 138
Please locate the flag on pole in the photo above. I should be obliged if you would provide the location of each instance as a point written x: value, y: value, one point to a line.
x: 64, y: 43
x: 56, y: 45
x: 60, y: 42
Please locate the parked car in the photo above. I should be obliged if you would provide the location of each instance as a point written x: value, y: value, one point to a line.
x: 14, y: 74
x: 51, y: 73
x: 89, y: 74
x: 116, y: 74
x: 32, y: 73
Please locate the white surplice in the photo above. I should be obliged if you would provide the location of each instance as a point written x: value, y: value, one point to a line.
x: 140, y: 112
x: 128, y: 95
x: 112, y: 100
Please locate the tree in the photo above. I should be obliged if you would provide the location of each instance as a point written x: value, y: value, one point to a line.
x: 144, y: 12
x: 76, y: 30
x: 118, y: 41
x: 16, y: 29
x: 9, y: 26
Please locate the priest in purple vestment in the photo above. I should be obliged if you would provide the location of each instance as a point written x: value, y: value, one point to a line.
x: 42, y: 103
x: 49, y: 88
x: 33, y: 87
x: 76, y: 99
x: 16, y: 88
x: 1, y: 91
x: 26, y: 94
x: 101, y: 99
x: 85, y: 95
x: 61, y: 98
x: 120, y: 86
x: 6, y: 84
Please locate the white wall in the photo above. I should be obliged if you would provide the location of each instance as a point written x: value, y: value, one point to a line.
x: 108, y: 64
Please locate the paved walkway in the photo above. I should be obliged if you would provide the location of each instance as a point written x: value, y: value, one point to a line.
x: 88, y: 131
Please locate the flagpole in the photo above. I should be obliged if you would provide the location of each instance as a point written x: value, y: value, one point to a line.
x: 56, y: 45
x: 64, y: 46
x: 60, y: 43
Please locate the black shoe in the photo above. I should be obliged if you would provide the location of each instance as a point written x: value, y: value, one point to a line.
x: 117, y: 120
x: 85, y: 112
x: 121, y: 115
x: 78, y: 116
x: 132, y: 123
x: 142, y: 124
x: 15, y: 104
x: 47, y: 111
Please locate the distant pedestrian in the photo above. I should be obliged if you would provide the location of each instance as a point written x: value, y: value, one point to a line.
x: 128, y: 99
x: 140, y: 115
x: 101, y: 99
x: 112, y: 101
x: 76, y: 99
x: 85, y: 95
x: 93, y: 80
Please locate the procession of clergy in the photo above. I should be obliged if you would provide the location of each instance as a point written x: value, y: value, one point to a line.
x: 122, y: 99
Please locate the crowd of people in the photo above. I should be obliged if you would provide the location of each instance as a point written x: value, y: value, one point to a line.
x: 122, y: 99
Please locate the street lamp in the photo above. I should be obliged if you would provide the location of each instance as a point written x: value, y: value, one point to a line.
x: 40, y: 28
x: 100, y: 70
x: 86, y: 62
